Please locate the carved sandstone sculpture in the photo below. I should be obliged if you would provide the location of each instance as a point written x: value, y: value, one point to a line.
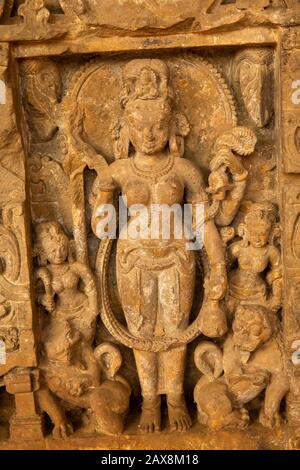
x: 258, y: 277
x: 110, y: 108
x: 156, y: 278
x: 83, y: 378
x: 253, y: 77
x: 60, y: 276
x: 252, y: 361
x: 228, y: 177
x: 71, y: 368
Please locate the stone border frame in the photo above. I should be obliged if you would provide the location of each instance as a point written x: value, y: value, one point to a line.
x: 286, y: 43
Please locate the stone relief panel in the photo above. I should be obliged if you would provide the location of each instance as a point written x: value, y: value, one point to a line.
x: 164, y: 129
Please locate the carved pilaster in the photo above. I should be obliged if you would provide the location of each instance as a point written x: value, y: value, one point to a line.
x: 26, y: 423
x: 290, y: 180
x: 16, y: 320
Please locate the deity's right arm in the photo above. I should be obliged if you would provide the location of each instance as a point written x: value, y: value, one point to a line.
x: 103, y: 208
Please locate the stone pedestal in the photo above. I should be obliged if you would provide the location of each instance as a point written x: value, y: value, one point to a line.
x: 26, y: 423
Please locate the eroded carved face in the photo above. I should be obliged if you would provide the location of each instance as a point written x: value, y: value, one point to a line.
x: 258, y: 235
x: 54, y: 244
x: 148, y: 123
x: 250, y: 330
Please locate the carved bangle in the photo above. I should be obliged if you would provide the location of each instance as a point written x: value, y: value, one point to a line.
x: 218, y: 265
x: 89, y: 287
x: 242, y: 177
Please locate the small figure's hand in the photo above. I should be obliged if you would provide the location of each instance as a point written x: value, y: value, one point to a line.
x: 48, y: 302
x: 274, y: 304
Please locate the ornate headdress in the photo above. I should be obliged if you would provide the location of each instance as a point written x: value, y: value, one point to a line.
x: 149, y: 79
x: 261, y: 215
x: 145, y: 79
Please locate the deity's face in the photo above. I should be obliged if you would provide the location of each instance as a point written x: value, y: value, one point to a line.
x: 54, y: 244
x: 249, y: 330
x: 258, y: 235
x: 148, y: 123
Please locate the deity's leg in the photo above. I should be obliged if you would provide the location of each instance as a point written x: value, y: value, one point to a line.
x: 138, y: 293
x: 147, y: 367
x: 176, y: 289
x: 173, y: 364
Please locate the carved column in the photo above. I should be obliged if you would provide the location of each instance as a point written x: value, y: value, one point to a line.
x: 25, y: 424
x: 290, y: 135
x: 17, y: 328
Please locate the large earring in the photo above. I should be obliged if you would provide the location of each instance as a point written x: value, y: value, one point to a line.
x: 180, y: 129
x: 122, y: 143
x: 176, y: 146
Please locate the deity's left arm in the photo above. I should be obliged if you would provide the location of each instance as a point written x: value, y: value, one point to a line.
x: 230, y: 206
x: 196, y: 195
x: 216, y: 255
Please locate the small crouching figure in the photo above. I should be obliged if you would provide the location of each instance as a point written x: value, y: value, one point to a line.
x: 81, y: 377
x: 252, y: 361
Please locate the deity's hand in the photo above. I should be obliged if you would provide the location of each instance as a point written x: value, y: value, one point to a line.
x: 232, y: 162
x: 101, y: 220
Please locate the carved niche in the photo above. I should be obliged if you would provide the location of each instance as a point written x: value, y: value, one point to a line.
x: 109, y: 325
x: 156, y: 130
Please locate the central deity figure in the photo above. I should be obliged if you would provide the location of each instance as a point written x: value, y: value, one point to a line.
x: 156, y: 277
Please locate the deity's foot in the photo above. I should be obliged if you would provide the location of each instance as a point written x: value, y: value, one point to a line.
x: 179, y: 417
x: 150, y: 421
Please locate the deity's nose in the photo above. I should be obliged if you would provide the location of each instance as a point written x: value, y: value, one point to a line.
x: 148, y: 134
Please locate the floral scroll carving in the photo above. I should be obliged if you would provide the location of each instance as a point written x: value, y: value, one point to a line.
x: 253, y: 72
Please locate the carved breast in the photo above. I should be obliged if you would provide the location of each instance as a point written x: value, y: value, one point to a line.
x: 68, y: 280
x: 137, y: 192
x: 169, y: 191
x: 256, y: 264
